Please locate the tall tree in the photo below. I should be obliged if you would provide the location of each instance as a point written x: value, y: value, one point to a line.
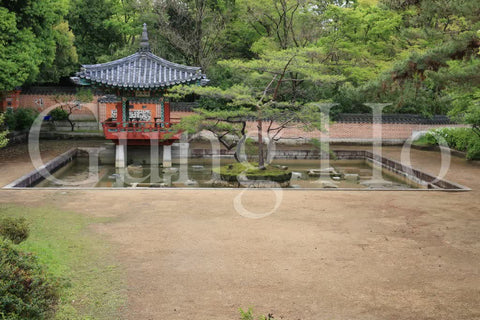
x: 19, y: 56
x: 194, y: 28
x: 96, y: 33
x: 27, y: 40
x: 443, y: 39
x: 66, y: 58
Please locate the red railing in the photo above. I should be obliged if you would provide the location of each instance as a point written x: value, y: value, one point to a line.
x: 135, y: 126
x: 140, y: 132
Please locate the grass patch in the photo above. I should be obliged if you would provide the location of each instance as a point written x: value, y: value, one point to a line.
x: 88, y: 131
x: 423, y: 141
x: 93, y: 286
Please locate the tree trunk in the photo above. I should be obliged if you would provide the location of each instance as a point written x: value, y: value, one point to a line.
x: 239, y: 154
x: 261, y: 160
x: 72, y: 124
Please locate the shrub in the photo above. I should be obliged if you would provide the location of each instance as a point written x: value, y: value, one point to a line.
x: 20, y: 119
x: 3, y: 131
x: 10, y: 119
x: 15, y: 230
x: 473, y: 149
x: 59, y: 114
x: 462, y: 139
x: 26, y: 292
x: 25, y: 118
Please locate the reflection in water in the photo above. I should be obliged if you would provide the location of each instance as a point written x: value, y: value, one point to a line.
x: 306, y: 174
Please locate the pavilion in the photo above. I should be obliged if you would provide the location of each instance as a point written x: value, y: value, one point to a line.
x: 137, y: 112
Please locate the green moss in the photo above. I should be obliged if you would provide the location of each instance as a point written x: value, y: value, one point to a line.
x: 252, y: 172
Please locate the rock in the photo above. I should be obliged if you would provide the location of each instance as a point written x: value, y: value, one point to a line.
x: 170, y: 170
x: 223, y: 184
x: 328, y: 184
x: 322, y: 172
x: 135, y: 170
x: 325, y: 183
x: 376, y: 183
x: 351, y: 177
x: 296, y: 175
x: 191, y: 183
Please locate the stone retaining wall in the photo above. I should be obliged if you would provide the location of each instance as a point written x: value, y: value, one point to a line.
x: 36, y: 176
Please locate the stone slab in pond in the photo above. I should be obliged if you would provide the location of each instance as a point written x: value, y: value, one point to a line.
x: 376, y: 183
x: 351, y: 177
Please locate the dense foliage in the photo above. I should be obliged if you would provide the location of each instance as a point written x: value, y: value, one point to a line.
x: 420, y: 55
x: 20, y: 119
x: 26, y: 292
x: 462, y: 139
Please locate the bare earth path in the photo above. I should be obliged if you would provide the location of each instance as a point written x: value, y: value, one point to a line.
x: 321, y: 255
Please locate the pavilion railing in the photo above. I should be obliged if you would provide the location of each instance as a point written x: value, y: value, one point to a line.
x: 136, y: 126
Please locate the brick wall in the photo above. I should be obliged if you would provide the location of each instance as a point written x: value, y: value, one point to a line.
x: 342, y: 130
x: 40, y: 102
x: 336, y: 130
x: 355, y: 131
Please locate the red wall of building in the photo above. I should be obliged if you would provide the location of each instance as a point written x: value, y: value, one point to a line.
x: 142, y: 109
x: 11, y: 100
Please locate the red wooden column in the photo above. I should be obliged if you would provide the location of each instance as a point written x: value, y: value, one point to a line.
x: 118, y: 106
x: 166, y: 113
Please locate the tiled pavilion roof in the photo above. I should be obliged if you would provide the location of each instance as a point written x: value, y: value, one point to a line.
x: 141, y: 70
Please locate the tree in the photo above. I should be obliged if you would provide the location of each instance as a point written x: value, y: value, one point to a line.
x: 68, y: 104
x: 66, y: 58
x: 27, y: 41
x: 194, y: 28
x: 18, y: 53
x: 96, y: 33
x: 461, y: 80
x: 226, y: 111
x: 442, y: 37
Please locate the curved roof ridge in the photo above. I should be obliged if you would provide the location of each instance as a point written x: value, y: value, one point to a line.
x: 143, y: 69
x: 172, y: 64
x: 138, y: 55
x: 112, y: 63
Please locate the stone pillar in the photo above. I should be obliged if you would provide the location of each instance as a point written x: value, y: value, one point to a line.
x: 120, y: 156
x: 167, y: 156
x: 183, y: 157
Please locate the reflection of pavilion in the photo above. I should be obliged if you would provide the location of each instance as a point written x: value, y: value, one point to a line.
x: 136, y: 111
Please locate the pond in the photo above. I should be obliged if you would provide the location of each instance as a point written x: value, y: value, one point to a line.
x: 197, y: 173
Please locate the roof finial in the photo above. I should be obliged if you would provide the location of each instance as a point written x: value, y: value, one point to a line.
x: 144, y: 45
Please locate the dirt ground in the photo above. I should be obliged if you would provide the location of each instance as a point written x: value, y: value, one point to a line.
x: 320, y: 255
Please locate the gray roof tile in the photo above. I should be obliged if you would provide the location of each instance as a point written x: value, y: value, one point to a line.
x: 142, y: 70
